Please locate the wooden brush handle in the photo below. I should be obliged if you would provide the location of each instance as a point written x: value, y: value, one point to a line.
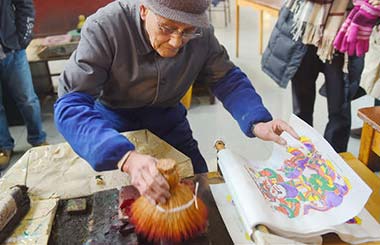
x: 219, y: 145
x: 168, y: 168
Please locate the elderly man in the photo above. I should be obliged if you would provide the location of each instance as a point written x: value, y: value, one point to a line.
x: 133, y: 64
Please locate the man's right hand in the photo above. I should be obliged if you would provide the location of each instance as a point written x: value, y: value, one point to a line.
x: 146, y: 177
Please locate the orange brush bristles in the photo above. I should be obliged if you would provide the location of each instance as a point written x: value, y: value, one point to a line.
x: 180, y: 218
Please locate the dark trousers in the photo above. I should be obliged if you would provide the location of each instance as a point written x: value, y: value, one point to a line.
x: 377, y: 102
x: 337, y: 130
x: 169, y: 123
x: 16, y: 78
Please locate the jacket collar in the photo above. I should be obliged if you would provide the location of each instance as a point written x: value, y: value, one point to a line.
x: 143, y: 46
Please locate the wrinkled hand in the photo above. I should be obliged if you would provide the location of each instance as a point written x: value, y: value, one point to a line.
x: 146, y: 177
x: 270, y: 131
x: 374, y: 2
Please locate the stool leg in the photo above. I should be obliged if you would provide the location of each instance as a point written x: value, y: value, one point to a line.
x: 366, y: 143
x: 237, y: 27
x: 186, y: 99
x: 229, y: 10
x: 225, y: 12
x: 261, y: 24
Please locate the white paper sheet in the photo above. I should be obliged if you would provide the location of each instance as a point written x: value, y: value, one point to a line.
x: 57, y: 171
x: 364, y: 229
x: 35, y: 227
x: 368, y: 230
x: 341, y: 193
x: 230, y: 216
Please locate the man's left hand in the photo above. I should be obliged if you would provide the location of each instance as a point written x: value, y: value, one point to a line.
x: 271, y: 131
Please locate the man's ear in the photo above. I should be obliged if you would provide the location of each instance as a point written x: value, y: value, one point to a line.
x: 143, y: 12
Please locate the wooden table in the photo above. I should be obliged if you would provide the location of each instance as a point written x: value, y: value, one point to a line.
x: 217, y: 233
x: 372, y: 205
x: 39, y: 67
x: 72, y: 229
x: 370, y: 140
x: 272, y: 7
x: 33, y: 49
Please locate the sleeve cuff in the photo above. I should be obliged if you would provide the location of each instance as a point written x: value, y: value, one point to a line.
x: 123, y: 160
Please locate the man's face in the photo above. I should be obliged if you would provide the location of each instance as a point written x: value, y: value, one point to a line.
x: 166, y: 36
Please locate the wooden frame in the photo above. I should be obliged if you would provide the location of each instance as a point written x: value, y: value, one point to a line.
x: 369, y: 151
x: 271, y: 7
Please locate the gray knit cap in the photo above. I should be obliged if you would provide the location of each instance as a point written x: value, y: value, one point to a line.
x: 192, y: 12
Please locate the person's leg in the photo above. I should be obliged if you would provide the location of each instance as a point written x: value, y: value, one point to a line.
x: 352, y: 79
x: 20, y: 86
x: 171, y: 125
x: 339, y: 105
x: 303, y: 86
x: 377, y: 102
x: 122, y: 120
x: 6, y: 140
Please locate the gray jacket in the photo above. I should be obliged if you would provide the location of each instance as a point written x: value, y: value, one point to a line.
x: 115, y: 62
x: 283, y: 55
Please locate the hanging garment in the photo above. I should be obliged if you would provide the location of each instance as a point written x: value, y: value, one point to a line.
x: 283, y: 55
x: 317, y: 22
x: 353, y: 37
x: 371, y: 74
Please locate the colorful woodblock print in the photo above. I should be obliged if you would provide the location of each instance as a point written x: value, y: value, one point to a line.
x: 303, y: 183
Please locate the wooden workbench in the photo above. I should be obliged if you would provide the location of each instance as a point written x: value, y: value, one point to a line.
x: 41, y: 73
x: 57, y: 156
x: 369, y: 152
x: 373, y: 204
x: 34, y: 48
x: 76, y: 229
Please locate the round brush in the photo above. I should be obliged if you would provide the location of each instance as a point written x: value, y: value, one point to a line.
x: 183, y: 216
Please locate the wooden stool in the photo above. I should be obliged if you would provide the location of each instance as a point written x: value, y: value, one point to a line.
x: 369, y: 152
x: 197, y: 89
x: 226, y: 9
x: 186, y: 99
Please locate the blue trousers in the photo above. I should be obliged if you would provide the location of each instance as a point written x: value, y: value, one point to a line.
x: 16, y: 81
x: 170, y: 124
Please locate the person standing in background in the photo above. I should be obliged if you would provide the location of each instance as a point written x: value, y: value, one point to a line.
x: 16, y: 26
x: 354, y: 38
x: 309, y: 27
x: 302, y: 46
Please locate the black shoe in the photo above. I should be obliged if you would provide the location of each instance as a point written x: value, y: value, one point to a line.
x: 354, y: 92
x: 323, y: 90
x: 356, y: 133
x: 359, y: 93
